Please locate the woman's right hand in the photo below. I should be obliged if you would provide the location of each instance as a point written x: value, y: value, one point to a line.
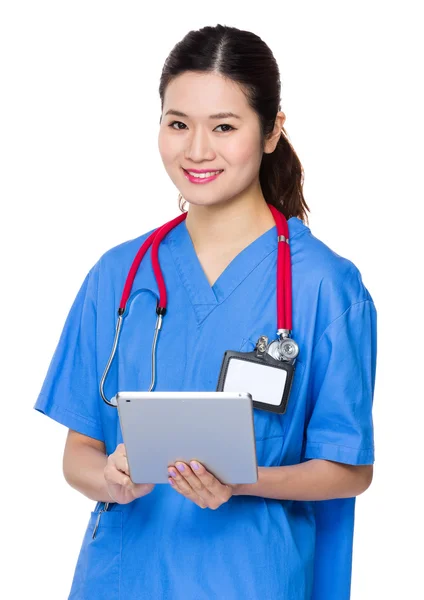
x: 120, y: 486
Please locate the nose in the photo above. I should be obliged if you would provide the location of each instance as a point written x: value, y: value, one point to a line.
x: 199, y: 146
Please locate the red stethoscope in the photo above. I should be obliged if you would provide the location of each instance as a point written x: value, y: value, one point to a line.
x: 284, y: 348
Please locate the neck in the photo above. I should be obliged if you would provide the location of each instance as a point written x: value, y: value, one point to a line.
x: 228, y: 225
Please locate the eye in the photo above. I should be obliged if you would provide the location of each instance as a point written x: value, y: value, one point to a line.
x: 226, y: 125
x: 222, y: 125
x: 173, y: 123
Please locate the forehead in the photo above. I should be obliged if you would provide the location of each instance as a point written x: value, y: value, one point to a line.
x: 202, y: 94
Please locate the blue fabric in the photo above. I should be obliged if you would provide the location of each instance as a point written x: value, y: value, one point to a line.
x: 163, y: 546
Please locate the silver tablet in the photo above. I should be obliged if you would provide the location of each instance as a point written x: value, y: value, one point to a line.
x: 215, y: 428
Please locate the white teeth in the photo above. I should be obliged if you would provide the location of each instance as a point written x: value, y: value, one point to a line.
x: 203, y: 175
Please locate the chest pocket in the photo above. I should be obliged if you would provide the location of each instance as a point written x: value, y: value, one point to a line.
x: 98, y: 570
x: 271, y: 428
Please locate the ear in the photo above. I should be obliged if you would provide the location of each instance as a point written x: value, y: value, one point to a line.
x: 272, y: 139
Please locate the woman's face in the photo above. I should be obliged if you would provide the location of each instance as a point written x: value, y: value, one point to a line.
x: 197, y: 141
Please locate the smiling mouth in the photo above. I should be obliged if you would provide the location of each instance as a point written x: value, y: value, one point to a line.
x: 203, y: 174
x: 202, y: 178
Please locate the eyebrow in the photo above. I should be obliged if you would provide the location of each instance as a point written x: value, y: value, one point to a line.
x: 221, y: 115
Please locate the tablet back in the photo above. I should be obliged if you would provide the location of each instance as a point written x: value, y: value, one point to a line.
x: 215, y: 428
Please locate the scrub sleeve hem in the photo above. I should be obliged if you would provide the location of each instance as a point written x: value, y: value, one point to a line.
x: 342, y: 454
x: 72, y: 420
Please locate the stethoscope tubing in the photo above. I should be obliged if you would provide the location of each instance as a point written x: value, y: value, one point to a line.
x: 153, y: 240
x: 283, y: 292
x: 284, y: 283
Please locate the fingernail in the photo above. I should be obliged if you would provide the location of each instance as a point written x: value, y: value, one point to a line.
x: 171, y: 481
x: 172, y: 472
x: 195, y: 465
x: 180, y: 467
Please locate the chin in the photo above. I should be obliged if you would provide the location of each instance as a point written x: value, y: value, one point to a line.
x: 205, y: 201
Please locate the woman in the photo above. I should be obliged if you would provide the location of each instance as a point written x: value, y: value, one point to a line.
x: 289, y: 536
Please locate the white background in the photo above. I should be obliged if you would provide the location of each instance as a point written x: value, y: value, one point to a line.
x: 81, y: 172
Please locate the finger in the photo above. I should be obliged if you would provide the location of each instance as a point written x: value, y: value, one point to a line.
x: 120, y: 449
x: 121, y: 463
x: 195, y: 483
x: 113, y: 476
x: 181, y: 483
x: 217, y: 489
x: 185, y: 490
x: 183, y: 486
x: 141, y: 488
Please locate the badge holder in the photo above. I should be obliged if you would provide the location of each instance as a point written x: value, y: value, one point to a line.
x: 266, y: 373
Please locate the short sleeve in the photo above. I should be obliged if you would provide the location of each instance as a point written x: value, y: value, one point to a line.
x: 340, y: 426
x: 69, y: 393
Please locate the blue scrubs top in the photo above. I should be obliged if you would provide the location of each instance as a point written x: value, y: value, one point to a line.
x: 163, y: 545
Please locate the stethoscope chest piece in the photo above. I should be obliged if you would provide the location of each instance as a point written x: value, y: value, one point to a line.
x: 283, y: 349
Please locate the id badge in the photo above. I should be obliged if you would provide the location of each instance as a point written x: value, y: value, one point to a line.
x: 267, y: 379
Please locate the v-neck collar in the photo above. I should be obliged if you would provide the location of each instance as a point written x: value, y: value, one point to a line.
x: 204, y: 297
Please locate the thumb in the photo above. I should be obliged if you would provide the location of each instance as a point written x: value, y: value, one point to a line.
x: 142, y: 488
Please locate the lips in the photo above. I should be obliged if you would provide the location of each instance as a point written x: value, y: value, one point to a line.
x: 203, y: 171
x: 200, y: 180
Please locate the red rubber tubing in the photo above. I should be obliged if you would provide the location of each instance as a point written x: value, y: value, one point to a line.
x: 164, y: 229
x: 284, y: 287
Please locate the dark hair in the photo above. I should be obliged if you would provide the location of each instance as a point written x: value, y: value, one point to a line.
x: 243, y: 57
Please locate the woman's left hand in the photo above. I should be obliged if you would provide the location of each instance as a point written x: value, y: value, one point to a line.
x: 199, y: 485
